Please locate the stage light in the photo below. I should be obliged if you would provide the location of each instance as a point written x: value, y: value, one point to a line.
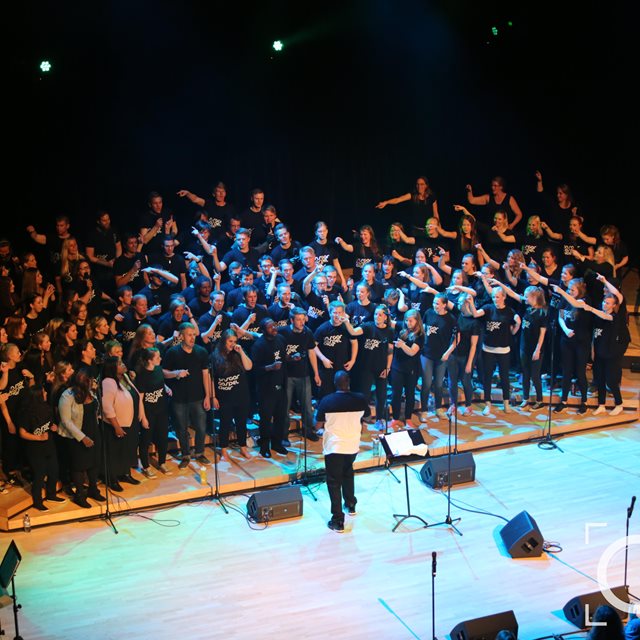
x: 494, y: 31
x: 45, y: 66
x: 509, y: 24
x: 277, y: 45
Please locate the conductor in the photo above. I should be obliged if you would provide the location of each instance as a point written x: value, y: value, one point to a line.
x: 340, y: 414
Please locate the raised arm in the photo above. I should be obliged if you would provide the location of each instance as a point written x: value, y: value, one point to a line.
x: 183, y: 193
x: 610, y: 288
x: 487, y: 258
x: 547, y: 229
x: 346, y: 247
x: 383, y: 203
x: 471, y: 199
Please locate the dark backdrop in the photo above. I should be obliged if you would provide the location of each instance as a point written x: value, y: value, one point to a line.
x: 365, y: 96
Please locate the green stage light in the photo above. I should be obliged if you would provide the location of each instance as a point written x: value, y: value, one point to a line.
x: 510, y: 24
x: 494, y: 31
x: 277, y: 45
x: 45, y: 66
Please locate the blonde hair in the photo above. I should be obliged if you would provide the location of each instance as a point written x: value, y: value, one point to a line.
x: 540, y: 301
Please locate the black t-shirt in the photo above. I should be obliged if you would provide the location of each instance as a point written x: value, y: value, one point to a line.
x: 439, y: 331
x: 532, y: 322
x: 610, y: 337
x: 241, y: 314
x: 218, y: 216
x: 418, y: 299
x: 15, y: 389
x: 360, y: 313
x: 151, y: 385
x: 249, y: 259
x: 532, y: 247
x: 334, y: 343
x: 431, y: 247
x: 103, y: 243
x: 402, y: 361
x: 376, y: 291
x: 373, y: 347
x: 265, y: 352
x: 419, y: 212
x: 148, y: 221
x: 316, y: 310
x: 325, y: 253
x: 206, y: 320
x: 123, y: 265
x: 494, y: 245
x: 250, y: 219
x: 362, y: 255
x: 387, y: 283
x: 175, y: 264
x: 191, y: 388
x: 279, y: 314
x: 297, y: 343
x: 569, y: 243
x: 131, y: 323
x: 37, y: 418
x: 230, y: 380
x: 497, y: 326
x: 292, y: 253
x: 404, y: 250
x: 468, y: 326
x: 340, y: 402
x: 578, y: 320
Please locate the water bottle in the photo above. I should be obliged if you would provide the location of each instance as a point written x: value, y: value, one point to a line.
x: 26, y: 523
x: 203, y: 475
x: 375, y: 446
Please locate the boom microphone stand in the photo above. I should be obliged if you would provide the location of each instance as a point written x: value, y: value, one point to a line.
x: 216, y: 473
x: 547, y: 442
x: 106, y: 516
x: 626, y: 546
x: 448, y: 521
x: 303, y: 480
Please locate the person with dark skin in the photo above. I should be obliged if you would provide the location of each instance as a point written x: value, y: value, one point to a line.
x: 340, y: 414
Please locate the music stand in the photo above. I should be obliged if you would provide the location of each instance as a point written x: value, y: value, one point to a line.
x: 406, y: 445
x: 8, y: 569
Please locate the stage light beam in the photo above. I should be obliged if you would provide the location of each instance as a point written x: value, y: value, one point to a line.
x: 45, y: 66
x: 277, y: 45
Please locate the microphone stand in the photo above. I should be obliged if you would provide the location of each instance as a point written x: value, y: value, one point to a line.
x: 448, y: 521
x: 303, y: 480
x: 106, y: 516
x: 16, y: 607
x: 547, y: 442
x: 626, y: 546
x: 216, y: 474
x: 433, y: 594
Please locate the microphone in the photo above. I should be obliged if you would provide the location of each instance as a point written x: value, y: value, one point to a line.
x: 433, y: 561
x: 630, y: 509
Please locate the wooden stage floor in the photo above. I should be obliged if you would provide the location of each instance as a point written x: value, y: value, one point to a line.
x: 194, y: 571
x: 475, y: 433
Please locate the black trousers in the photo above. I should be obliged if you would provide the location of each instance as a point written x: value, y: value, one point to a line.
x: 574, y: 357
x: 489, y: 361
x: 399, y: 381
x: 365, y: 379
x: 233, y: 414
x: 44, y: 464
x: 531, y: 372
x: 340, y: 484
x: 272, y: 407
x: 607, y: 373
x: 10, y: 448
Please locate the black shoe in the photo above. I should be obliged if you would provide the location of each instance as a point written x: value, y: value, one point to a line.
x: 129, y: 479
x: 281, y: 450
x: 312, y: 435
x: 40, y: 507
x: 68, y: 489
x: 559, y: 408
x: 582, y: 409
x: 536, y: 405
x: 16, y: 480
x: 81, y: 501
x: 94, y: 494
x: 265, y: 453
x: 184, y: 462
x: 286, y: 443
x: 336, y: 526
x: 115, y: 486
x: 54, y: 499
x: 351, y: 510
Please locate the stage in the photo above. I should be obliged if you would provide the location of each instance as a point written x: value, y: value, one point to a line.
x: 475, y: 433
x: 194, y: 570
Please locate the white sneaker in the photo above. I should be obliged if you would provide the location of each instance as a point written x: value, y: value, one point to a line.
x: 487, y: 410
x: 617, y: 410
x: 600, y: 410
